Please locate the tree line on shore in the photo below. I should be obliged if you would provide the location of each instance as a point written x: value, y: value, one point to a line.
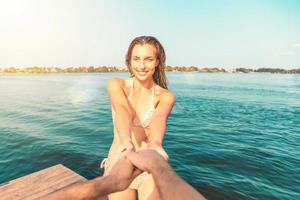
x: 269, y: 70
x: 103, y: 69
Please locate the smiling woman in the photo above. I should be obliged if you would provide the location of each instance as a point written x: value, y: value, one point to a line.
x: 143, y: 61
x: 140, y: 108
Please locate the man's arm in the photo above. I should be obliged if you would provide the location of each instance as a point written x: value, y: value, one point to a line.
x: 97, y: 188
x: 169, y: 184
x: 117, y: 179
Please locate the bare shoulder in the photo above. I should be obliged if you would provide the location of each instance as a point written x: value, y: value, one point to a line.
x: 165, y: 95
x: 115, y: 82
x: 118, y: 84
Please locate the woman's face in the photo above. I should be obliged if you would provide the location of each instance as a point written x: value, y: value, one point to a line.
x: 143, y: 61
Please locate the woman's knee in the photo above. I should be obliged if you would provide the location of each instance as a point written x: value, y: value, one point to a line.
x: 148, y: 189
x: 127, y: 194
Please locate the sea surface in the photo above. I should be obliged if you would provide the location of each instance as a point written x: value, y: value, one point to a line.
x: 232, y: 136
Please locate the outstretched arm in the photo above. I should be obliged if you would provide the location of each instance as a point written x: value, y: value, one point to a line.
x: 169, y: 184
x: 159, y: 120
x: 117, y: 179
x: 97, y: 188
x: 123, y: 114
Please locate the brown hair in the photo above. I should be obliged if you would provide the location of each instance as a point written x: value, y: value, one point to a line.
x: 159, y: 75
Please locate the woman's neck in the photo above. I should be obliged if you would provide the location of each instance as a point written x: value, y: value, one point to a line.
x: 143, y: 86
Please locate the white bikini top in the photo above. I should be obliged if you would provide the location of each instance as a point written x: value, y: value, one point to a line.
x: 145, y: 120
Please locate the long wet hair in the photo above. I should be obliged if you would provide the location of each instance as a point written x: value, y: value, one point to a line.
x: 159, y: 75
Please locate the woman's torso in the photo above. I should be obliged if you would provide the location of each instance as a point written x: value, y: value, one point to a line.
x: 143, y: 107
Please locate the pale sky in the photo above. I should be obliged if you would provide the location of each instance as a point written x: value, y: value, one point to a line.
x: 201, y: 33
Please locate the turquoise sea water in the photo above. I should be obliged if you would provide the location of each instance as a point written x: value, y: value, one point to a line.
x: 232, y: 136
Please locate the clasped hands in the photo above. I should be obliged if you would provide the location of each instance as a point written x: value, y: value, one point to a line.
x: 129, y: 164
x: 127, y: 143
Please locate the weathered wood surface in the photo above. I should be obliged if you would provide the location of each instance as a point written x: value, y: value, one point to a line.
x: 38, y: 184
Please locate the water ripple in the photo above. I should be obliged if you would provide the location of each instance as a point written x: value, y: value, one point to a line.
x: 231, y: 136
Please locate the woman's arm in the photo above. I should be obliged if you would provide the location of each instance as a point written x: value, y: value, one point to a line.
x: 123, y: 114
x: 159, y: 120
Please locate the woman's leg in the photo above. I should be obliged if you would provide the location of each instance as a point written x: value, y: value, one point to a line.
x: 128, y: 194
x: 147, y: 189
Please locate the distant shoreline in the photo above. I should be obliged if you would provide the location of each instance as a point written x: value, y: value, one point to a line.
x: 105, y: 69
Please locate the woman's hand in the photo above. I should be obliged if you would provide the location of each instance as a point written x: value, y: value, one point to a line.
x: 126, y: 142
x: 158, y: 147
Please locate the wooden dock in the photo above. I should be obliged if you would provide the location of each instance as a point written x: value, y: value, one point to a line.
x: 38, y: 184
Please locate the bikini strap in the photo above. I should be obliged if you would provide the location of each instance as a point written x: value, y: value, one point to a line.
x: 131, y: 86
x: 153, y: 92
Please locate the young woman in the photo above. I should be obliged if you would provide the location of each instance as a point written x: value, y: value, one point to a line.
x: 140, y: 108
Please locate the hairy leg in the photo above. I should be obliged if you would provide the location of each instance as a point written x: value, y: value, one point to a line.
x: 147, y: 190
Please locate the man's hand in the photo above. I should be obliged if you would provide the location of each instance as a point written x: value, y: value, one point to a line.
x: 146, y: 159
x: 168, y: 183
x: 112, y: 161
x: 122, y: 172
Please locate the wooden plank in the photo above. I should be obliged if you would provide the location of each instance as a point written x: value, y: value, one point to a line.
x: 40, y: 183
